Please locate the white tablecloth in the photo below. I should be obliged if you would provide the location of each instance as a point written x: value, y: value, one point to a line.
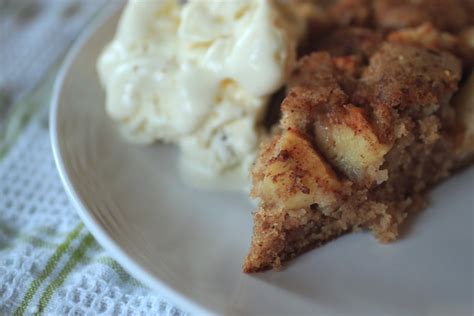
x: 49, y: 262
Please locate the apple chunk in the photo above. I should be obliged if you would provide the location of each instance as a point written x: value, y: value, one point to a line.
x: 350, y: 143
x: 291, y: 174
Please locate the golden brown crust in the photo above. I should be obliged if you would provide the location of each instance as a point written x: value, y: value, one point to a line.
x: 369, y: 123
x: 358, y: 41
x: 280, y: 235
x: 378, y: 142
x: 351, y: 12
x: 313, y: 88
x: 406, y: 80
x: 428, y: 36
x: 452, y: 19
x: 447, y: 15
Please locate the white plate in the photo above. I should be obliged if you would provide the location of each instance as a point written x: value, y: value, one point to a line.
x: 189, y: 244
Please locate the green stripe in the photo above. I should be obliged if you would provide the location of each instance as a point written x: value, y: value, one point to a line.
x: 23, y: 237
x: 50, y: 265
x: 122, y: 274
x: 7, y: 230
x: 86, y: 242
x: 41, y: 92
x: 48, y: 231
x: 15, y: 123
x: 24, y: 110
x: 27, y: 238
x: 36, y: 242
x: 43, y: 230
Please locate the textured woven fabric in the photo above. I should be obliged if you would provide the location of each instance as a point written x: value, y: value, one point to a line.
x: 49, y: 262
x: 33, y: 35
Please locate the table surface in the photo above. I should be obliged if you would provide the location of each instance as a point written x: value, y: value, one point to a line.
x: 49, y: 262
x: 34, y: 34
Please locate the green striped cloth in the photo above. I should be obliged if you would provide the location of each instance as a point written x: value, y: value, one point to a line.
x: 49, y: 263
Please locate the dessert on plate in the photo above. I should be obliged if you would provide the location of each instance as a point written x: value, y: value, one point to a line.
x: 370, y: 122
x: 200, y: 75
x: 377, y: 106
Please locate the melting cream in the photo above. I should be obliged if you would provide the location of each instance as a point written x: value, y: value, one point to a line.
x: 199, y: 75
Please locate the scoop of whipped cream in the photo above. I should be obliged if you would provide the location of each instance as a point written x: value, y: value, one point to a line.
x: 199, y: 75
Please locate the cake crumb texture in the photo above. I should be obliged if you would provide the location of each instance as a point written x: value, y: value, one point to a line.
x: 371, y: 120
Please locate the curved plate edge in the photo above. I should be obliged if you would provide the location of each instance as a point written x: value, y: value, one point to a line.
x: 92, y: 225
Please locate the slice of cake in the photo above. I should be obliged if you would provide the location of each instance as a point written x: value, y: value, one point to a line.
x: 365, y: 131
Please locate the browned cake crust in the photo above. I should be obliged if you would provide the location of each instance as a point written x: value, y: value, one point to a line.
x: 421, y: 18
x: 366, y: 130
x: 446, y: 15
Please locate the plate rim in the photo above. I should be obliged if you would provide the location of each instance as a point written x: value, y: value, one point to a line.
x: 105, y: 240
x: 171, y: 294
